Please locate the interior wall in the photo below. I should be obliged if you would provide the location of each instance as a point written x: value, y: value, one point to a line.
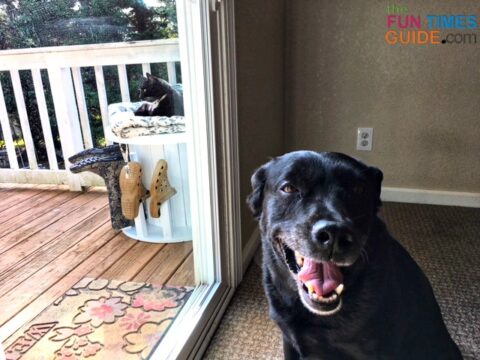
x: 422, y: 101
x: 260, y: 37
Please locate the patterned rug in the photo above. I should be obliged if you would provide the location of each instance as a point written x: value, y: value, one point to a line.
x: 444, y: 240
x: 100, y: 319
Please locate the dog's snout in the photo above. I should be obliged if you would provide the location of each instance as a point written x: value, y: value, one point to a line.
x: 329, y: 233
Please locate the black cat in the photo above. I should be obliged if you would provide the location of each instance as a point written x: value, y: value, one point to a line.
x: 162, y: 99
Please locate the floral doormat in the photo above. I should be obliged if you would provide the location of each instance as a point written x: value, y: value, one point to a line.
x: 100, y: 319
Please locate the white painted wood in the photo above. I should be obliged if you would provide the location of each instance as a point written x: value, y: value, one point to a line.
x: 250, y: 249
x: 7, y: 132
x: 196, y: 322
x: 44, y: 118
x: 82, y: 107
x: 59, y: 177
x: 22, y: 114
x: 171, y: 72
x: 225, y: 262
x: 156, y: 153
x: 102, y: 95
x: 183, y: 165
x: 177, y: 212
x: 97, y: 55
x: 123, y: 79
x: 202, y: 165
x: 67, y: 117
x: 146, y: 69
x: 141, y: 226
x: 432, y: 197
x: 224, y: 51
x: 140, y: 52
x: 168, y: 228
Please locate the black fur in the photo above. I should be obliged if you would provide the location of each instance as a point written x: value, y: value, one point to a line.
x: 388, y: 309
x: 162, y: 99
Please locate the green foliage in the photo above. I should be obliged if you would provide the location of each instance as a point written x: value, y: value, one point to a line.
x: 34, y: 23
x: 39, y: 23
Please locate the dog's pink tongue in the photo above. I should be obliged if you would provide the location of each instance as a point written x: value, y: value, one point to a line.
x: 324, y: 277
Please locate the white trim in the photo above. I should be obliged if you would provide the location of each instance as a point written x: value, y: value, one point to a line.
x: 212, y: 165
x: 7, y: 132
x: 226, y: 107
x: 138, y: 52
x: 250, y: 249
x: 44, y: 118
x: 432, y: 197
x: 23, y: 116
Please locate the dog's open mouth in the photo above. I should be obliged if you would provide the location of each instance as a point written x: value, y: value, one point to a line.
x: 320, y: 284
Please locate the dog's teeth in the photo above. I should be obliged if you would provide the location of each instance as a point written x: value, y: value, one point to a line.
x: 339, y: 289
x: 311, y: 290
x: 299, y: 258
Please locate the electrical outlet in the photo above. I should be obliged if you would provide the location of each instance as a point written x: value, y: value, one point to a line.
x: 364, y: 139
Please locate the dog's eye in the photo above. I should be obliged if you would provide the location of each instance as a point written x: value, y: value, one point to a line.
x: 287, y: 188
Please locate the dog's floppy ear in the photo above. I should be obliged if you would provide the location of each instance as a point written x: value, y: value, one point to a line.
x: 255, y: 199
x: 377, y: 178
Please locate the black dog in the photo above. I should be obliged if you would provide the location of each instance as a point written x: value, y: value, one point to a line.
x: 339, y: 286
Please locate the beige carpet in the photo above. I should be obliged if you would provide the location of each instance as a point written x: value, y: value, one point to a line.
x: 445, y: 241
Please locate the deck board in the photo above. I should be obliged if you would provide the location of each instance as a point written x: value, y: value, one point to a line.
x: 51, y: 222
x: 36, y: 204
x: 164, y: 264
x: 63, y: 237
x: 184, y: 275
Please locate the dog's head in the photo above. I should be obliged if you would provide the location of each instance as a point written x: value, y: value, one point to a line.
x: 315, y: 212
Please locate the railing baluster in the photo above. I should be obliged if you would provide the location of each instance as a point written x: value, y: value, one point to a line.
x: 22, y: 114
x: 146, y: 69
x: 44, y: 119
x: 172, y: 72
x: 82, y: 107
x: 102, y: 95
x: 67, y: 117
x: 7, y: 132
x: 123, y: 78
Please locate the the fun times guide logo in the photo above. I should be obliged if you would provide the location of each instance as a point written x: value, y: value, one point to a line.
x: 404, y: 28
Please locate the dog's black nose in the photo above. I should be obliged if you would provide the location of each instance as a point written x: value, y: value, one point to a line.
x: 327, y: 233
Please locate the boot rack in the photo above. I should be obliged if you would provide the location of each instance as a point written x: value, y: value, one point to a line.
x: 174, y: 224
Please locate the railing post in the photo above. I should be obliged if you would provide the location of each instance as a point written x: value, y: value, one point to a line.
x: 67, y: 118
x: 172, y: 73
x: 7, y: 132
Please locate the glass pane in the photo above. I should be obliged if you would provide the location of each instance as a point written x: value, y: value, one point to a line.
x: 109, y: 268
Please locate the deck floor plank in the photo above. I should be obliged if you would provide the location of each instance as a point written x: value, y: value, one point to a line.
x: 42, y: 257
x: 172, y: 256
x: 132, y: 262
x: 185, y: 275
x: 26, y: 217
x: 35, y: 205
x: 103, y: 258
x: 41, y: 230
x: 94, y: 226
x: 27, y: 290
x: 18, y: 197
x: 164, y: 264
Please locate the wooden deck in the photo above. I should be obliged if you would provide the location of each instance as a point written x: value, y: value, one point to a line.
x: 50, y: 238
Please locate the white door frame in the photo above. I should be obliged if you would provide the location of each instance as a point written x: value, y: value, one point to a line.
x: 206, y: 33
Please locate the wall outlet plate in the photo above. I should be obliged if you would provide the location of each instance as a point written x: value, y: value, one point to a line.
x: 364, y: 139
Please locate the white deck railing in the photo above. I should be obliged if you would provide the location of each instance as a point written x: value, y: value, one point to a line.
x: 63, y: 65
